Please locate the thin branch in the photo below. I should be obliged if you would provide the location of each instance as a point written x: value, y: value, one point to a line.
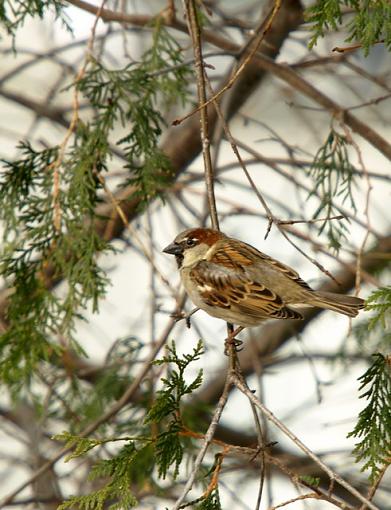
x: 274, y: 334
x: 271, y: 218
x: 353, y: 47
x: 207, y: 441
x: 310, y: 495
x: 332, y: 475
x: 281, y: 71
x: 375, y: 485
x: 110, y: 413
x: 195, y: 32
x: 259, y: 35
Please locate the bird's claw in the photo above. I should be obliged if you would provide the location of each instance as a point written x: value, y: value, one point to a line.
x: 235, y: 343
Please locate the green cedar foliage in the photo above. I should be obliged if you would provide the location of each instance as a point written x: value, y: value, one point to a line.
x: 380, y: 302
x: 332, y: 175
x: 211, y: 501
x: 133, y: 97
x: 13, y: 13
x: 373, y: 428
x: 369, y: 24
x: 38, y: 251
x: 169, y: 445
x: 156, y: 447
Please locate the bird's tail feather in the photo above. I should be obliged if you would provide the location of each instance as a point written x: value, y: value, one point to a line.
x: 348, y: 305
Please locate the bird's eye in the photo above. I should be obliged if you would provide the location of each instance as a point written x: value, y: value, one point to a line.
x: 190, y: 241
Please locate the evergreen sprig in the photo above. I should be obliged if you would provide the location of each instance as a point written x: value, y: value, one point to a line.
x: 380, y: 302
x: 333, y: 178
x: 164, y: 63
x: 80, y: 445
x: 143, y: 455
x: 324, y: 15
x: 373, y: 427
x: 38, y: 250
x: 13, y: 13
x: 134, y: 96
x: 116, y: 493
x: 131, y: 466
x: 211, y: 501
x: 169, y: 444
x: 369, y: 24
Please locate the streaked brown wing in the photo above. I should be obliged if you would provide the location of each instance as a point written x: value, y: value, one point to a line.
x: 289, y: 272
x: 224, y: 288
x: 235, y: 255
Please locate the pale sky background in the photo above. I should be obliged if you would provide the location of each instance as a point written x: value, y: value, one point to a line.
x: 289, y: 391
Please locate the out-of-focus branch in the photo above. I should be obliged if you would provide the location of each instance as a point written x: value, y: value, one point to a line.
x: 182, y: 144
x: 40, y: 109
x: 104, y: 418
x: 46, y: 489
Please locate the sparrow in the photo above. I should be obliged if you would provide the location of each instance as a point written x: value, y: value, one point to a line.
x: 233, y: 281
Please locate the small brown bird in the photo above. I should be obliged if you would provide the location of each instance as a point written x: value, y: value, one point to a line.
x: 235, y: 282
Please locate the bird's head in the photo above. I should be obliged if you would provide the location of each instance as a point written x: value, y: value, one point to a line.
x: 193, y: 245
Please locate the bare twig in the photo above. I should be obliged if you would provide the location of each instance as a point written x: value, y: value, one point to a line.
x: 195, y: 33
x: 375, y: 485
x: 310, y: 495
x: 55, y: 166
x: 271, y: 218
x: 207, y: 441
x: 110, y: 413
x: 353, y: 47
x: 238, y: 382
x: 255, y: 42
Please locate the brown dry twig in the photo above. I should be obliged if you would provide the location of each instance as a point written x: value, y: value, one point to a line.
x: 105, y: 417
x: 353, y: 47
x: 195, y: 32
x: 310, y: 495
x: 259, y: 35
x: 334, y: 477
x: 55, y: 166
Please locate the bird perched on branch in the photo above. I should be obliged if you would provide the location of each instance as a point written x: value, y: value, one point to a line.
x: 233, y: 281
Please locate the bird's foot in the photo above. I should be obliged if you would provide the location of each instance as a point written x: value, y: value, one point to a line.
x: 232, y: 341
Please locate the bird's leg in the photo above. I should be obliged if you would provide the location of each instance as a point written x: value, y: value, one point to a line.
x: 179, y: 316
x: 231, y: 338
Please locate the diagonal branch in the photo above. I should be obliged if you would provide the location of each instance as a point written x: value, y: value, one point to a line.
x: 332, y: 475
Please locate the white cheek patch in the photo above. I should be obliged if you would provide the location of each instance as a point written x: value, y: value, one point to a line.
x: 192, y: 256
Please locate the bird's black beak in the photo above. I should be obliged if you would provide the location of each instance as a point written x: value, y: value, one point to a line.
x: 173, y: 249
